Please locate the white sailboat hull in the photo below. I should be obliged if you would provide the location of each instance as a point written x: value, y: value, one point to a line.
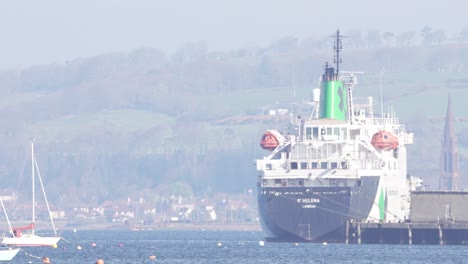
x: 30, y: 241
x: 7, y: 253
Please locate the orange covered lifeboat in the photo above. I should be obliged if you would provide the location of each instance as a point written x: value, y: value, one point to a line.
x: 384, y: 140
x: 271, y: 139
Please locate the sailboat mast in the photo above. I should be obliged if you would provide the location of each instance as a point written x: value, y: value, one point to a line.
x: 33, y: 194
x: 45, y: 197
x: 8, y: 219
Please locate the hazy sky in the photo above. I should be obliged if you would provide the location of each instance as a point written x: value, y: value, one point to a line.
x: 53, y: 31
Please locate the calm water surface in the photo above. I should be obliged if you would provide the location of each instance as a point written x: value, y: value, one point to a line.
x: 237, y: 247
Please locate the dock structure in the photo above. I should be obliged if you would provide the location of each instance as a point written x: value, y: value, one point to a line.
x: 407, y: 233
x: 437, y: 218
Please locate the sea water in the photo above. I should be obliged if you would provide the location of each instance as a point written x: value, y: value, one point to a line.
x: 118, y: 246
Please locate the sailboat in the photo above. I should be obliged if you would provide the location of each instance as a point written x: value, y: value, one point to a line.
x: 7, y: 253
x: 29, y: 238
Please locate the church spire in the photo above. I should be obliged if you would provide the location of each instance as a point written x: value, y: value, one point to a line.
x: 449, y: 176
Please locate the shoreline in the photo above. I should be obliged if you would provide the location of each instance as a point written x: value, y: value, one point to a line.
x: 170, y: 226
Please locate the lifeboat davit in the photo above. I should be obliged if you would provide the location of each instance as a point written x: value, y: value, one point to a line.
x: 384, y: 140
x: 271, y: 139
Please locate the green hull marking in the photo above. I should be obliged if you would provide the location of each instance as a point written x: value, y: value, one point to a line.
x: 382, y: 205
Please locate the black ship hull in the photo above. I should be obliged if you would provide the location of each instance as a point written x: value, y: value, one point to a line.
x: 314, y: 214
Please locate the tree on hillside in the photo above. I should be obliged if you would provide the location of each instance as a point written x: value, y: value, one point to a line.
x: 405, y: 38
x: 463, y: 36
x: 439, y: 36
x: 148, y: 60
x: 191, y: 52
x: 426, y: 35
x: 284, y: 44
x: 355, y: 39
x: 373, y: 39
x: 431, y: 37
x: 264, y: 73
x: 389, y: 38
x: 310, y: 43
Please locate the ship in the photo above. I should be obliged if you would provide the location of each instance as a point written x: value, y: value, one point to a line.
x: 344, y: 164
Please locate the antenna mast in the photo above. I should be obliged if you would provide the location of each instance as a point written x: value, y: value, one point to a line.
x: 337, y: 47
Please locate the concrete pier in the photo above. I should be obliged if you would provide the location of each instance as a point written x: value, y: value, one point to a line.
x: 407, y: 233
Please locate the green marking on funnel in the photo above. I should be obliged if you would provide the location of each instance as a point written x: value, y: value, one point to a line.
x: 333, y: 100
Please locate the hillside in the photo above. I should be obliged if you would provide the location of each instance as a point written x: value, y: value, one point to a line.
x: 142, y: 123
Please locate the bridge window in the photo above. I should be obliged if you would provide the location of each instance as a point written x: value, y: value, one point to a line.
x: 315, y: 133
x: 308, y: 133
x: 314, y: 165
x: 303, y: 165
x: 336, y: 132
x: 293, y: 165
x: 324, y: 165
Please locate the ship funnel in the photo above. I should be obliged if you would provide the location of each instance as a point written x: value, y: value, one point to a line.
x: 333, y: 96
